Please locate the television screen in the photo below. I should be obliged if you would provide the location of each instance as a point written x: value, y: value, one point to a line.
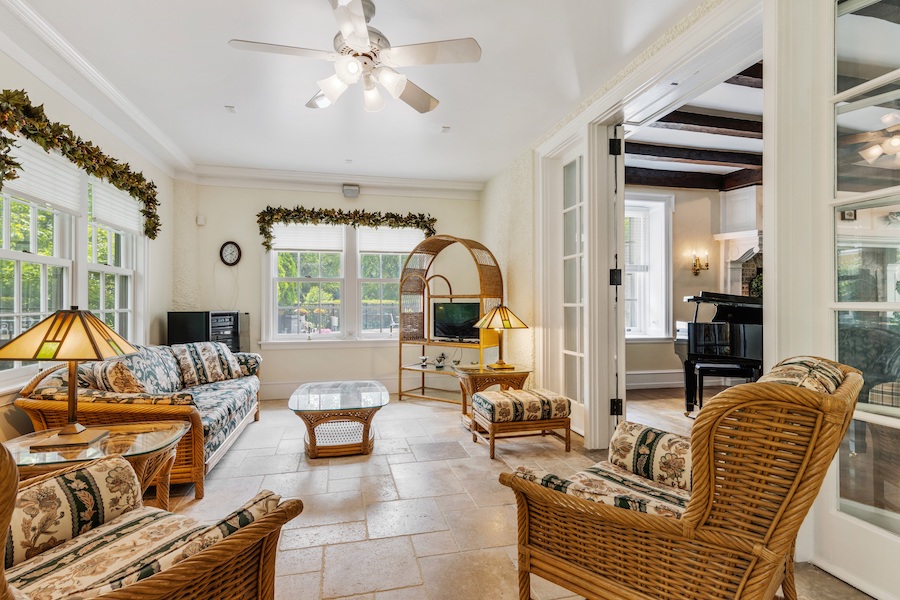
x: 455, y: 321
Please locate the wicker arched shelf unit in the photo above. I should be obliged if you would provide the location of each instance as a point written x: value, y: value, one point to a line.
x: 416, y: 294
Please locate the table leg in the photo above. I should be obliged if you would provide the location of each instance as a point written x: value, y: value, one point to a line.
x: 162, y: 483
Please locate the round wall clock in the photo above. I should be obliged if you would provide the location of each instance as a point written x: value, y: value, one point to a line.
x: 230, y: 253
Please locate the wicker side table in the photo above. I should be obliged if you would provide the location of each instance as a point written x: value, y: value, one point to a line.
x: 148, y: 446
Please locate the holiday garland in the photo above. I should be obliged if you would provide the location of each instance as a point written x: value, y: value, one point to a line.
x: 331, y: 216
x: 17, y: 115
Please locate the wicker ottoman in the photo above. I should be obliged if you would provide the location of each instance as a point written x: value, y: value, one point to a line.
x: 518, y: 411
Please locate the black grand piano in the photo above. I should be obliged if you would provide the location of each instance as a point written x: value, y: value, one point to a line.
x: 734, y: 337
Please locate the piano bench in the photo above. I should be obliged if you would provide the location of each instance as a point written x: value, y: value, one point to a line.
x: 702, y: 370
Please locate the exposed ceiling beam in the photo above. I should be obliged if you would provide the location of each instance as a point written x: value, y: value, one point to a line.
x: 750, y: 77
x: 697, y: 156
x: 740, y: 179
x: 674, y: 179
x: 686, y: 121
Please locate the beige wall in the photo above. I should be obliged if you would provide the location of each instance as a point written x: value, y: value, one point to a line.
x: 159, y: 276
x: 202, y: 282
x: 695, y: 220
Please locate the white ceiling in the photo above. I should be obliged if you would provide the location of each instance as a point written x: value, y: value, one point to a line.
x: 162, y: 72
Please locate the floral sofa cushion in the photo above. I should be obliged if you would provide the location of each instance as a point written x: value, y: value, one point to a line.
x: 126, y: 549
x: 222, y: 406
x: 521, y: 405
x: 51, y: 512
x: 61, y: 394
x: 114, y: 376
x: 652, y: 453
x: 205, y: 362
x: 807, y: 372
x: 608, y: 484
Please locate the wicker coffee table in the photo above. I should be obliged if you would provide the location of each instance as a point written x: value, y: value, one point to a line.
x: 148, y: 446
x: 338, y: 415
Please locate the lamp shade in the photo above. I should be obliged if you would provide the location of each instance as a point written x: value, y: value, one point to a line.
x: 67, y: 335
x: 500, y: 317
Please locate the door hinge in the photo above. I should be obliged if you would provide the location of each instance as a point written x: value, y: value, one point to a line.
x: 615, y: 147
x: 615, y: 407
x: 615, y: 277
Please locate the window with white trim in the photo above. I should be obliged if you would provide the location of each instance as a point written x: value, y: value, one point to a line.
x: 648, y: 287
x: 41, y: 212
x: 331, y: 282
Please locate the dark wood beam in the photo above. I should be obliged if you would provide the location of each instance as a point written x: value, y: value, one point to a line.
x: 749, y: 77
x: 673, y: 179
x: 686, y: 121
x: 740, y: 179
x: 697, y: 156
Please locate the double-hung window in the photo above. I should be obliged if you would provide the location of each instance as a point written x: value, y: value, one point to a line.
x: 335, y: 282
x: 648, y: 288
x: 46, y: 215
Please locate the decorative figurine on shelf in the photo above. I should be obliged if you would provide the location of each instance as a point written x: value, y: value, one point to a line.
x: 439, y: 361
x: 424, y: 360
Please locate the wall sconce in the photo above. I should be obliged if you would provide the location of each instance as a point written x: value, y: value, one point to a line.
x: 697, y: 266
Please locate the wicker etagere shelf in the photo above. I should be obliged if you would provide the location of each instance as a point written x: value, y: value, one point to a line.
x: 416, y: 282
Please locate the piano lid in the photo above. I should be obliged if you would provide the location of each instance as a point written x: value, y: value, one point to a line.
x: 727, y: 299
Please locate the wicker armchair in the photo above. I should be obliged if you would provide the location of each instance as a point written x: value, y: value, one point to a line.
x: 239, y: 565
x: 760, y: 452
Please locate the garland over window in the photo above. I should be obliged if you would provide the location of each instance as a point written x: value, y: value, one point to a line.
x: 17, y: 115
x: 332, y: 216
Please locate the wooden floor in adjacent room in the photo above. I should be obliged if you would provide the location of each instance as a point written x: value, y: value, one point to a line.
x: 662, y: 408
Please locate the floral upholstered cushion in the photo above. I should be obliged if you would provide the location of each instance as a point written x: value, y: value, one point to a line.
x: 521, y: 405
x: 222, y: 406
x: 156, y: 368
x: 608, y: 484
x: 114, y: 376
x: 652, y: 453
x: 132, y: 547
x: 807, y: 372
x: 249, y: 362
x: 205, y: 362
x: 48, y: 513
x: 61, y: 394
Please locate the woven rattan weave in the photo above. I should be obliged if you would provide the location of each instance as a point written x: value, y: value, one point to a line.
x: 760, y: 452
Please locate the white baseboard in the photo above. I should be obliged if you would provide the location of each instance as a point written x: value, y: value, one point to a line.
x: 650, y: 380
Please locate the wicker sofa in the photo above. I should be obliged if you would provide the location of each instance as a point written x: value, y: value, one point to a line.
x: 204, y: 383
x: 83, y: 532
x: 709, y: 518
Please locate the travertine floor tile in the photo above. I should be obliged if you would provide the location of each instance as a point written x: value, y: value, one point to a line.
x: 370, y: 566
x: 308, y: 537
x: 378, y: 489
x: 305, y: 586
x: 331, y: 507
x: 305, y: 560
x: 438, y: 451
x: 423, y: 479
x: 473, y: 575
x: 487, y: 527
x: 411, y: 593
x: 404, y: 517
x: 430, y: 544
x: 266, y: 465
x: 298, y: 484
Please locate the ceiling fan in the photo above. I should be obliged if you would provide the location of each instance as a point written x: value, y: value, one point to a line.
x: 362, y: 52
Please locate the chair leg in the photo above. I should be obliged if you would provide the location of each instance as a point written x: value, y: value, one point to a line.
x: 788, y: 585
x: 492, y: 432
x: 524, y: 584
x: 568, y: 438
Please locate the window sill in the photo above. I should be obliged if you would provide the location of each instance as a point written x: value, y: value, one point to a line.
x: 649, y: 340
x: 329, y: 343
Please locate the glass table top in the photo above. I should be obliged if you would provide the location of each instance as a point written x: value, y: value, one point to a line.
x: 338, y: 395
x: 131, y: 439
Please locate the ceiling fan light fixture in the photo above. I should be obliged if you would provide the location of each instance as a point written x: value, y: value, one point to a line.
x: 373, y: 99
x: 871, y: 152
x: 348, y: 69
x: 320, y: 100
x: 392, y: 81
x: 892, y: 145
x: 891, y: 118
x: 332, y: 87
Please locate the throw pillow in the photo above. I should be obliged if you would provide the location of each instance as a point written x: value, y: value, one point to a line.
x: 653, y: 454
x: 114, y: 376
x: 205, y: 362
x: 807, y: 372
x: 156, y: 369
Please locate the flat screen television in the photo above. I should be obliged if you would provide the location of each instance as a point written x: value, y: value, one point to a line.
x: 455, y: 321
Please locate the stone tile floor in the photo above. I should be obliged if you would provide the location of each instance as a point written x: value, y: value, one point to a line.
x: 422, y: 518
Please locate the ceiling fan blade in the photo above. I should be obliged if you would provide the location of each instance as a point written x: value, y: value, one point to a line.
x: 418, y: 98
x: 280, y: 49
x: 465, y: 50
x: 351, y: 19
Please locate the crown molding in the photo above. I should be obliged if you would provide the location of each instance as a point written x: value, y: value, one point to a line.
x: 49, y: 36
x: 331, y: 183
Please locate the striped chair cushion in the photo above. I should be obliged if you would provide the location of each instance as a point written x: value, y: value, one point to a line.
x: 652, y: 454
x: 521, y: 405
x: 887, y: 394
x: 608, y: 484
x: 807, y: 372
x: 127, y: 549
x: 205, y: 362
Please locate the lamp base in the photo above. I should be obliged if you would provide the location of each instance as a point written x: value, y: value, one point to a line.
x: 500, y: 365
x: 64, y: 441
